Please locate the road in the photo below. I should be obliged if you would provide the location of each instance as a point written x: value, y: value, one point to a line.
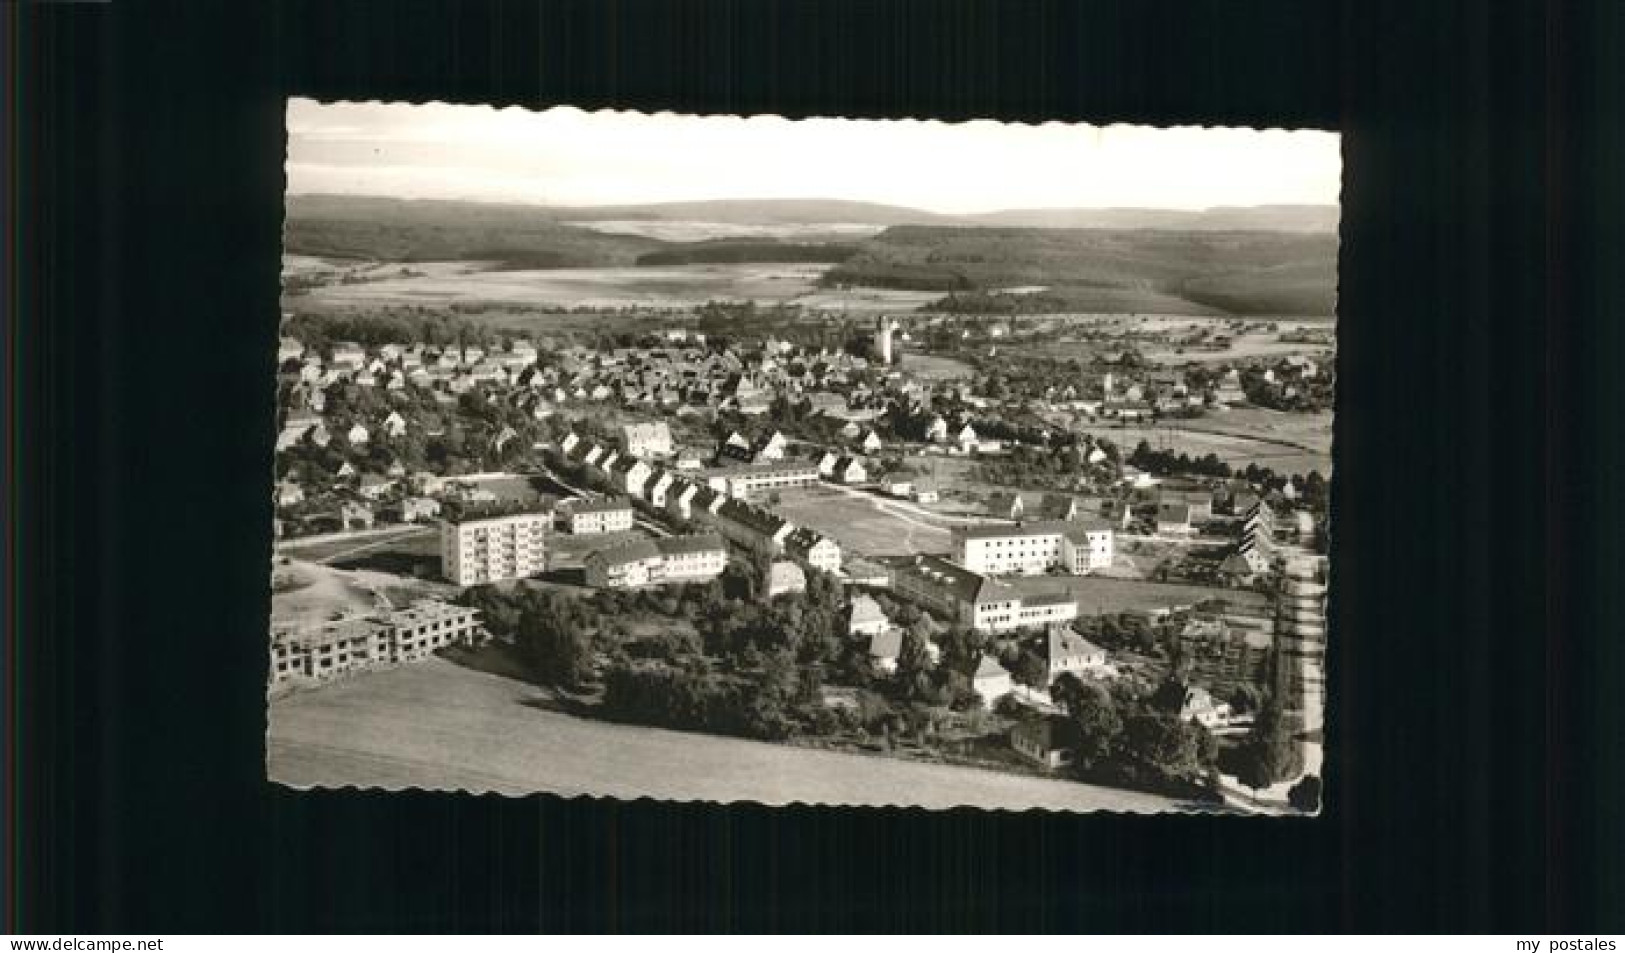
x: 438, y: 726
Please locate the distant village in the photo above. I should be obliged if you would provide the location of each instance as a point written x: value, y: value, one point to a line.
x: 835, y: 550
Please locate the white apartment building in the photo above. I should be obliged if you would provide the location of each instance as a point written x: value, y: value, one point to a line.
x: 1034, y: 548
x: 674, y: 559
x: 474, y: 551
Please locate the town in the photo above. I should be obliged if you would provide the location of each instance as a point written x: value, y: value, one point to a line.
x: 933, y: 535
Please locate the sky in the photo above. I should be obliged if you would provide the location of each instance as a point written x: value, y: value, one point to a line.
x: 565, y: 156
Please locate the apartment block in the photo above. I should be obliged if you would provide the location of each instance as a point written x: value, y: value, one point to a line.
x: 481, y: 550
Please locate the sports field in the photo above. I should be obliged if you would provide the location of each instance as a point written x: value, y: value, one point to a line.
x: 1099, y: 596
x: 440, y: 727
x: 868, y: 525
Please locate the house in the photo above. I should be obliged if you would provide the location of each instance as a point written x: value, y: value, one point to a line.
x: 1247, y: 562
x: 1191, y: 703
x: 991, y: 681
x: 354, y: 515
x: 689, y: 460
x: 967, y: 439
x: 375, y: 487
x: 647, y: 440
x: 1067, y: 651
x: 680, y: 498
x: 925, y: 490
x: 417, y: 508
x: 289, y: 349
x: 1049, y: 741
x: 601, y: 516
x: 569, y: 443
x: 871, y: 442
x: 866, y: 617
x: 657, y: 486
x: 937, y: 430
x: 1199, y: 499
x: 289, y: 493
x: 785, y: 577
x: 851, y: 470
x: 356, y: 435
x: 1173, y: 518
x: 630, y: 474
x: 348, y: 354
x: 769, y: 448
x: 899, y: 486
x: 814, y: 549
x: 884, y: 647
x: 826, y: 464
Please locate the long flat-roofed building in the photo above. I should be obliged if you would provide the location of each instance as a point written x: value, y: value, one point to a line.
x: 330, y: 650
x: 698, y: 558
x: 1032, y: 548
x: 644, y: 562
x: 953, y: 592
x: 740, y: 482
x: 475, y: 550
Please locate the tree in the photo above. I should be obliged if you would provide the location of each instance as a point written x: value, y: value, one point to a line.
x: 913, y: 657
x: 1030, y: 670
x: 1095, y: 715
x: 1164, y: 743
x: 1270, y: 753
x: 1305, y: 795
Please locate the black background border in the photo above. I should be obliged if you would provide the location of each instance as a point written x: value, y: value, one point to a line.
x: 1474, y: 754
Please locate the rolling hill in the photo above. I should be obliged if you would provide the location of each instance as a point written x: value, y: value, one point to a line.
x: 1154, y: 261
x: 1241, y: 272
x: 383, y: 229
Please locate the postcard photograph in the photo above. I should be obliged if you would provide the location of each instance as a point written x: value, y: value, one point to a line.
x: 825, y: 461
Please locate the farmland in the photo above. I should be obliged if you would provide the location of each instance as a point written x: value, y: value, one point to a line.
x: 437, y: 726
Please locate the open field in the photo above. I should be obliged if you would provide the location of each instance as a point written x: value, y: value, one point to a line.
x: 867, y: 525
x: 1286, y: 443
x: 669, y: 286
x: 1097, y: 595
x: 934, y: 367
x: 440, y: 727
x: 336, y: 546
x: 654, y: 287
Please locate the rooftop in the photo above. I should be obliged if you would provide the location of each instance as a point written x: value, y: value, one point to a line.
x: 698, y: 543
x: 605, y: 505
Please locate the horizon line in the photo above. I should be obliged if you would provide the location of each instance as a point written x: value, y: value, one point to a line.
x: 809, y: 198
